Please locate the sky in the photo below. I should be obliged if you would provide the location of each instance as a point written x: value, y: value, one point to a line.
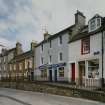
x: 26, y: 20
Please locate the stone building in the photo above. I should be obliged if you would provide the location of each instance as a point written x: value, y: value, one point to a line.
x: 21, y: 67
x: 5, y: 57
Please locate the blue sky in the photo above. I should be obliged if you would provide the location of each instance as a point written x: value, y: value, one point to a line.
x: 25, y: 20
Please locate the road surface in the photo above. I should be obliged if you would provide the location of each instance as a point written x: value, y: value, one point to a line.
x: 19, y: 97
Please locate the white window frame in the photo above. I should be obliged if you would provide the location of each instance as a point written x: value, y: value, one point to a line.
x: 50, y: 59
x: 95, y: 27
x: 59, y: 44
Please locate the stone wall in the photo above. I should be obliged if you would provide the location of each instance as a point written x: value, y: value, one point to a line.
x: 54, y: 89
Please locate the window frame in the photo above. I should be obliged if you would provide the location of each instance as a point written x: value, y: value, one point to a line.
x: 59, y: 57
x: 60, y: 40
x: 50, y: 43
x: 63, y: 72
x: 83, y: 41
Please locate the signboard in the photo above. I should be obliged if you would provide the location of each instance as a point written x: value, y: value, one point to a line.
x: 51, y: 66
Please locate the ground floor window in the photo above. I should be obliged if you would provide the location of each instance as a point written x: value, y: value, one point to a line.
x: 93, y: 68
x: 44, y: 73
x: 61, y: 71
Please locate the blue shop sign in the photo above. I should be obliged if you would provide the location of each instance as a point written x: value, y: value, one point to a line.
x: 51, y: 66
x: 42, y: 67
x: 56, y: 65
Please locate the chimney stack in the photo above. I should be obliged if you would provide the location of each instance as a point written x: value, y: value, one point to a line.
x: 80, y: 19
x: 19, y: 48
x: 33, y: 45
x: 46, y: 35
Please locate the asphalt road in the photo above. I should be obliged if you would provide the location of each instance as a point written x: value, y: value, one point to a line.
x: 18, y: 97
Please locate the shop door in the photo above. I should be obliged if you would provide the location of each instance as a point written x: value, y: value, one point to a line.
x: 73, y: 71
x: 50, y: 75
x: 55, y: 74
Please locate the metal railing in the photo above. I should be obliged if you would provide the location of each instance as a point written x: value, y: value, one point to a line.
x: 85, y: 83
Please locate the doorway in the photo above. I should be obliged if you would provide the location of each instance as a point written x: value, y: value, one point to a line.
x: 73, y: 72
x: 50, y: 75
x: 55, y: 75
x: 81, y: 72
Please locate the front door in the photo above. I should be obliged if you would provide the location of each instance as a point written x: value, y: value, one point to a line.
x: 73, y: 71
x: 32, y: 76
x: 55, y: 74
x: 50, y: 75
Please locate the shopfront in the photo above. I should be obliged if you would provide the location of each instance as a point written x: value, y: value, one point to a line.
x: 89, y: 72
x: 52, y: 73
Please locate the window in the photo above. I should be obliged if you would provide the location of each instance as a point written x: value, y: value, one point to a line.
x: 85, y: 47
x: 10, y: 67
x: 14, y: 66
x: 50, y: 59
x: 4, y: 59
x: 93, y: 68
x: 50, y: 44
x: 98, y: 22
x: 20, y: 66
x: 30, y: 63
x: 44, y: 73
x: 60, y: 56
x: 41, y: 60
x: 92, y: 25
x: 60, y: 40
x: 4, y: 67
x: 61, y: 71
x: 26, y: 64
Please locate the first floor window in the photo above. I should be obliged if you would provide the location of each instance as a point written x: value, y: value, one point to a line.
x: 60, y: 56
x: 50, y: 59
x: 85, y: 46
x: 14, y: 66
x: 44, y: 73
x: 41, y: 60
x: 61, y: 71
x: 20, y: 66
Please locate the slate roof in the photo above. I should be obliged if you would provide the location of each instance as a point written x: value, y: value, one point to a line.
x: 22, y: 56
x: 56, y: 35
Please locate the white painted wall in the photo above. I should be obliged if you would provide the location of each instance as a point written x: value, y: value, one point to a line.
x: 54, y: 51
x: 75, y: 52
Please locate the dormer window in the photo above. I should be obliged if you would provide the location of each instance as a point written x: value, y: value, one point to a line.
x: 94, y: 23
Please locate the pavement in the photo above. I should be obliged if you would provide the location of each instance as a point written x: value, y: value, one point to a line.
x: 19, y: 97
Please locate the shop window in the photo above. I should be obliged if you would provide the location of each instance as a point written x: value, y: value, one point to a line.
x: 93, y: 69
x: 61, y: 71
x: 44, y: 73
x: 85, y: 47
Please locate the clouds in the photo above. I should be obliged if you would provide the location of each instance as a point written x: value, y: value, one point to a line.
x: 25, y: 20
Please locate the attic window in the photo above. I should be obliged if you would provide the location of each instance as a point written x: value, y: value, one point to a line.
x: 94, y: 24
